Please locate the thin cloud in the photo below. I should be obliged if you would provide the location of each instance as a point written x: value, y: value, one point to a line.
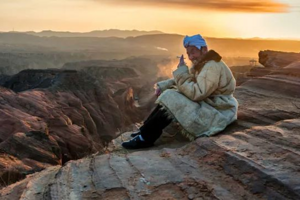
x: 266, y: 6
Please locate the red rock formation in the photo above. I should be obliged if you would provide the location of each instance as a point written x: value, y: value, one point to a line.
x: 256, y: 157
x: 53, y: 116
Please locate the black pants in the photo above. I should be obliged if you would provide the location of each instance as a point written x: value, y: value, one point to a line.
x: 154, y: 124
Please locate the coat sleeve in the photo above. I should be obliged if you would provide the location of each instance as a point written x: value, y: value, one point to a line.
x: 166, y: 84
x: 204, y: 85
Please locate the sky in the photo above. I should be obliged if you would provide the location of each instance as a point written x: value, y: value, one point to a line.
x: 210, y: 18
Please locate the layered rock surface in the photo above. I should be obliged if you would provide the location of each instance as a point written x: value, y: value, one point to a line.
x: 256, y: 157
x: 49, y: 117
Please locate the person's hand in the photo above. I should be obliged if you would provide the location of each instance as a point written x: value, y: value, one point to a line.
x: 157, y: 91
x: 181, y: 61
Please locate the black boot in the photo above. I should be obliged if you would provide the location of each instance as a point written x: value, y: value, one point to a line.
x: 136, y: 143
x: 138, y: 132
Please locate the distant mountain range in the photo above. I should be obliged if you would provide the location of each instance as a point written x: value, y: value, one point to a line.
x: 154, y: 44
x: 96, y: 33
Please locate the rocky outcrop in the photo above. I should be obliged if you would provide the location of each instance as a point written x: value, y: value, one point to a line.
x: 277, y: 59
x: 273, y: 63
x: 277, y: 63
x: 257, y: 157
x: 49, y: 117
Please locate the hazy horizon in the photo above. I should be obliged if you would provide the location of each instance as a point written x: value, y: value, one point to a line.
x: 207, y: 36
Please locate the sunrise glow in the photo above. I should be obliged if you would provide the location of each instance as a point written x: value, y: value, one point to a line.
x: 229, y: 18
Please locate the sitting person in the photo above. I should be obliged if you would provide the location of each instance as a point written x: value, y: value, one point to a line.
x: 200, y: 99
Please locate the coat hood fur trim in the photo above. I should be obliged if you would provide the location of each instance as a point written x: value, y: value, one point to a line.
x: 210, y: 55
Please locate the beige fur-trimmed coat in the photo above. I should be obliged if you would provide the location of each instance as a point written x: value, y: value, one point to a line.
x: 201, y: 102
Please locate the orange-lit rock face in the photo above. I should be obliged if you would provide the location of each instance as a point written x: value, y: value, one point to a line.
x: 276, y: 59
x: 256, y: 157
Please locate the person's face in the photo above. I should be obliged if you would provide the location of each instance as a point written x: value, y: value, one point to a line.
x: 194, y: 54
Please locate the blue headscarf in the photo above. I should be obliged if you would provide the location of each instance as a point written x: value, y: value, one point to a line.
x: 195, y: 40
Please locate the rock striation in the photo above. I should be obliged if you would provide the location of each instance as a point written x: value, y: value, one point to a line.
x: 257, y: 157
x: 49, y: 117
x: 254, y: 158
